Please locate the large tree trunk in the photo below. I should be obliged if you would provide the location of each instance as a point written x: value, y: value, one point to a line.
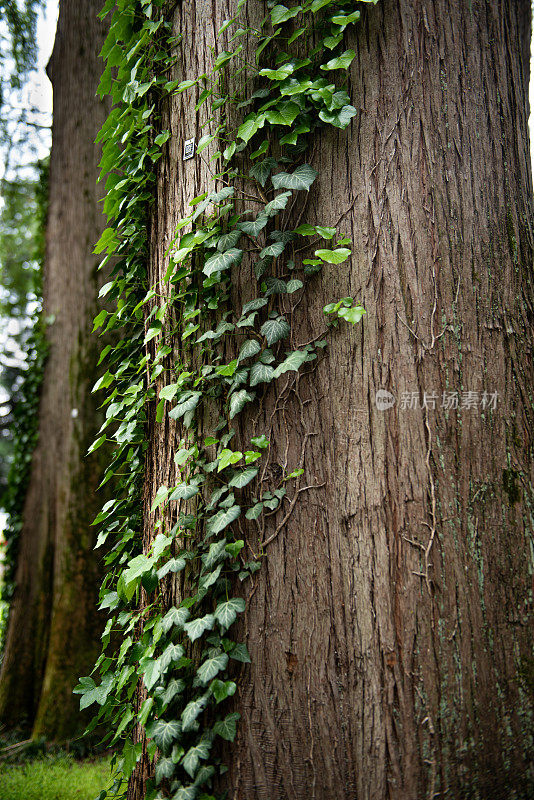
x: 389, y: 624
x: 53, y: 631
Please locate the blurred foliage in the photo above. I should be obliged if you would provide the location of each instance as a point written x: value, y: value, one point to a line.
x: 22, y: 226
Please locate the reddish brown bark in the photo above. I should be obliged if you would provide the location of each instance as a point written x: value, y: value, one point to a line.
x: 53, y: 632
x: 390, y: 625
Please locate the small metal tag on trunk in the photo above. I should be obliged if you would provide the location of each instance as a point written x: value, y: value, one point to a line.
x: 189, y: 149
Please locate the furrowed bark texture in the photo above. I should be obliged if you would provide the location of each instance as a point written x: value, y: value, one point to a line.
x: 390, y: 624
x: 53, y: 631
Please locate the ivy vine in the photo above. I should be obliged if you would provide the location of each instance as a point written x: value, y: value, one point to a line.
x: 172, y: 672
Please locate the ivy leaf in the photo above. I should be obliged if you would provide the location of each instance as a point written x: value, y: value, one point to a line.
x: 176, y: 686
x: 341, y: 62
x: 185, y: 793
x: 191, y: 760
x: 222, y: 519
x: 346, y: 19
x: 243, y: 478
x: 172, y: 653
x: 185, y: 491
x: 198, y: 626
x: 250, y: 126
x: 294, y: 285
x: 191, y: 712
x: 222, y: 689
x: 255, y: 511
x: 341, y: 118
x: 254, y: 227
x: 279, y: 74
x: 228, y: 457
x: 221, y: 261
x: 260, y: 373
x: 151, y: 673
x: 333, y: 256
x: 164, y: 768
x: 226, y: 613
x: 275, y: 329
x: 293, y: 362
x: 238, y: 400
x: 228, y: 240
x: 273, y: 250
x: 352, y: 315
x: 211, y: 667
x: 326, y: 233
x: 175, y: 616
x: 301, y: 178
x: 263, y: 169
x: 284, y: 113
x: 187, y: 402
x: 281, y: 14
x: 254, y: 305
x: 169, y: 392
x: 165, y: 733
x: 216, y: 553
x: 130, y: 756
x: 226, y: 728
x: 250, y: 348
x: 240, y: 653
x: 278, y: 203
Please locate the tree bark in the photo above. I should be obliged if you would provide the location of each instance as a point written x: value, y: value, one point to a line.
x: 390, y: 624
x: 53, y: 630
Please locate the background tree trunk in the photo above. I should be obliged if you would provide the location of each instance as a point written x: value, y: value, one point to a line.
x: 389, y: 624
x: 53, y: 631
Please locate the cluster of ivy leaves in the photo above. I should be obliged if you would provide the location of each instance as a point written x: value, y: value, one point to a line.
x: 173, y: 672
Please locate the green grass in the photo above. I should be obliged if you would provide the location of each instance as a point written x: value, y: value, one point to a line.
x: 60, y: 778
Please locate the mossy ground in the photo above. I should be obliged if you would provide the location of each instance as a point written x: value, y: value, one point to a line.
x: 55, y: 778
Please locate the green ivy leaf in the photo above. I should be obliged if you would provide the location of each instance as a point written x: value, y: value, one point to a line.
x: 191, y: 760
x: 211, y: 667
x: 226, y: 613
x: 240, y: 653
x: 279, y: 74
x: 333, y: 256
x: 274, y: 330
x: 260, y: 373
x: 222, y: 689
x: 278, y: 203
x: 191, y: 712
x: 352, y: 315
x: 164, y: 768
x: 273, y: 250
x: 242, y: 479
x: 222, y: 519
x: 185, y: 491
x: 228, y: 240
x: 238, y: 401
x: 293, y: 362
x: 187, y: 402
x: 340, y: 62
x: 198, y: 626
x: 226, y: 728
x: 175, y: 617
x: 253, y: 228
x: 227, y: 457
x: 284, y: 113
x: 281, y: 14
x: 302, y: 178
x: 165, y: 733
x: 221, y: 261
